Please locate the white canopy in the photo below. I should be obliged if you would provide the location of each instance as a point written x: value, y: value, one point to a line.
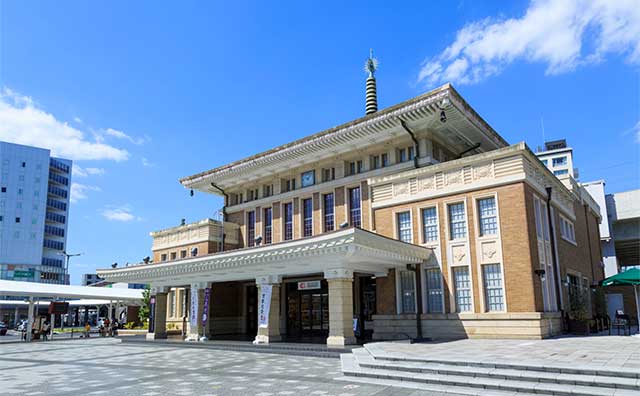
x: 45, y: 290
x: 72, y: 303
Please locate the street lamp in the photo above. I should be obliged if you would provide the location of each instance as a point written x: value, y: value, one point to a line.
x: 66, y: 268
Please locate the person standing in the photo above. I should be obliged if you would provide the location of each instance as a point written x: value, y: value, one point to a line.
x: 87, y: 330
x: 44, y: 332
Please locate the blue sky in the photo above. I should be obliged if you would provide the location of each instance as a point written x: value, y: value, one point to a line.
x: 140, y: 94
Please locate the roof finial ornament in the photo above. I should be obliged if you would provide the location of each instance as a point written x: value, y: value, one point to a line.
x: 371, y: 96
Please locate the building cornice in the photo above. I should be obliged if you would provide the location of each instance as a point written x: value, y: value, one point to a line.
x: 516, y: 163
x: 357, y: 132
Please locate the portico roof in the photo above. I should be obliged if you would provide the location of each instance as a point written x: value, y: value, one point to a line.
x: 44, y: 290
x: 351, y: 249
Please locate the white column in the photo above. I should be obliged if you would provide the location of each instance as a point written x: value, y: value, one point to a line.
x: 159, y: 314
x: 340, y: 307
x: 30, y: 318
x: 270, y: 332
x: 16, y: 317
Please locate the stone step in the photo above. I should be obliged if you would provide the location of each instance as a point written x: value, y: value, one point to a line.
x: 556, y: 368
x: 351, y: 368
x: 274, y: 348
x: 365, y: 360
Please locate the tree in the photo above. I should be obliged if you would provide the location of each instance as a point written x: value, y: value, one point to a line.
x: 143, y: 313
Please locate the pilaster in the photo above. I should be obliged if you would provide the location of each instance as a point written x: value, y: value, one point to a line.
x: 159, y: 297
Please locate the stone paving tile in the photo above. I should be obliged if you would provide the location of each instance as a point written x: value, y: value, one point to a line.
x: 105, y: 366
x: 602, y: 352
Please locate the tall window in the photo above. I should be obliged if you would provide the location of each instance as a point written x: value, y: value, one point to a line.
x: 462, y: 284
x: 407, y: 292
x: 288, y: 221
x: 457, y: 224
x: 493, y: 296
x: 402, y: 155
x: 267, y: 225
x: 327, y: 209
x: 307, y: 212
x: 384, y: 158
x: 172, y: 304
x: 429, y: 225
x: 487, y: 215
x: 354, y: 207
x: 251, y: 228
x: 375, y: 161
x: 404, y: 226
x: 434, y: 290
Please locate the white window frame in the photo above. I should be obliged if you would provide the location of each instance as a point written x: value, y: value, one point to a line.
x: 426, y: 293
x: 322, y: 194
x: 302, y: 199
x: 466, y: 220
x: 284, y: 223
x: 421, y: 222
x: 484, y: 289
x: 396, y: 226
x: 568, y: 230
x: 455, y: 289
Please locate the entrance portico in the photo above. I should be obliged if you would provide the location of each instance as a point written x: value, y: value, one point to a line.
x: 336, y: 256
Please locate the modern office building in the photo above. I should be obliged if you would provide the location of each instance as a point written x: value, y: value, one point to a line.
x: 415, y: 220
x: 558, y: 157
x: 34, y: 208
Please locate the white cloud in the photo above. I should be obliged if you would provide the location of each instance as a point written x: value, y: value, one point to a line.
x: 147, y: 163
x: 79, y: 171
x: 122, y: 213
x: 23, y: 122
x: 77, y: 120
x: 79, y: 191
x: 121, y: 135
x: 562, y: 34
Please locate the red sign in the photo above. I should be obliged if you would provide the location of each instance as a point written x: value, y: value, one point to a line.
x: 58, y: 308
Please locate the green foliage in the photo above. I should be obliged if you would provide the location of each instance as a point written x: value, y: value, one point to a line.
x: 599, y: 302
x: 578, y: 309
x: 143, y: 314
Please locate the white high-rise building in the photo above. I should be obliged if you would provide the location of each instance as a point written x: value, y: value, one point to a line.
x: 558, y: 157
x: 34, y: 207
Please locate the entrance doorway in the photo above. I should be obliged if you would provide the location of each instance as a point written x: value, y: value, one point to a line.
x: 367, y: 305
x: 308, y: 310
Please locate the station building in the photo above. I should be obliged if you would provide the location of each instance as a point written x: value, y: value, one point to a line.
x: 418, y: 220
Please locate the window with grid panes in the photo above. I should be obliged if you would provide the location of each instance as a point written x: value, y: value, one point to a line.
x: 354, y: 207
x: 251, y: 228
x: 307, y: 221
x: 407, y: 292
x: 493, y: 296
x: 268, y: 218
x: 457, y: 223
x: 462, y: 283
x: 429, y: 224
x: 288, y: 221
x: 434, y: 290
x: 327, y: 210
x: 487, y: 216
x: 404, y: 226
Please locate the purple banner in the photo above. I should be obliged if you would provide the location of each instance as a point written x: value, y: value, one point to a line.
x: 205, y: 307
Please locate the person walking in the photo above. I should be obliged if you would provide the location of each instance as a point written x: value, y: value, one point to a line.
x: 87, y: 330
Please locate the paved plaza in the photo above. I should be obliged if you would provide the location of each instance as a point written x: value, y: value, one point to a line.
x: 596, y: 352
x: 107, y: 367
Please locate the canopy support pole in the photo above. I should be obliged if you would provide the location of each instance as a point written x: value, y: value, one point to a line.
x: 635, y: 291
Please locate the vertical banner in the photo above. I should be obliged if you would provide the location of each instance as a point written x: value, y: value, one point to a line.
x: 264, y: 305
x: 152, y: 314
x: 193, y: 314
x: 205, y: 306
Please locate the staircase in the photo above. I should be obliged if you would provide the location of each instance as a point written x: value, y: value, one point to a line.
x: 368, y: 365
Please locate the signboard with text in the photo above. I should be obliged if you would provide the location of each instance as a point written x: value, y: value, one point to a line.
x: 309, y: 285
x: 193, y: 314
x: 205, y: 306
